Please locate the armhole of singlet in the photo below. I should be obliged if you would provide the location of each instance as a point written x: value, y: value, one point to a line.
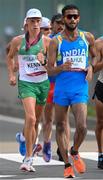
x: 82, y: 35
x: 22, y: 42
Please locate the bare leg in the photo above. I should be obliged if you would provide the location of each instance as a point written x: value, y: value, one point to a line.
x: 39, y: 113
x: 48, y: 121
x: 67, y: 131
x: 80, y: 114
x: 29, y: 107
x: 61, y: 119
x: 99, y: 125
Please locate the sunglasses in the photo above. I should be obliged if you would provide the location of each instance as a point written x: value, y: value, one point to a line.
x: 70, y: 16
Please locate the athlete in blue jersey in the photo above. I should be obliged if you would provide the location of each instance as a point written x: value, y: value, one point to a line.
x: 70, y: 50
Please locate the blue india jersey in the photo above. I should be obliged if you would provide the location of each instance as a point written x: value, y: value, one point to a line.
x: 76, y: 52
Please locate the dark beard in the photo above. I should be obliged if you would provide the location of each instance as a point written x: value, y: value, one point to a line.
x: 70, y: 28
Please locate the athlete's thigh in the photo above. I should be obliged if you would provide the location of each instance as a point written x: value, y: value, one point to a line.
x: 48, y: 113
x: 29, y: 105
x: 80, y: 112
x: 61, y: 113
x: 99, y: 110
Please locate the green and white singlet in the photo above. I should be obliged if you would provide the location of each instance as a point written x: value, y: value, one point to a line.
x: 30, y: 69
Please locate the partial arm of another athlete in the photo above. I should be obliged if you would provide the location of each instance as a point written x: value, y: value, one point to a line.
x: 99, y: 47
x: 93, y: 55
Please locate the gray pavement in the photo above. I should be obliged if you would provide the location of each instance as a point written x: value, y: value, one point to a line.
x: 10, y: 160
x: 10, y: 170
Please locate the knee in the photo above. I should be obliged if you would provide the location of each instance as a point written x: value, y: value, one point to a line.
x: 99, y: 124
x: 48, y: 120
x: 82, y: 128
x: 60, y: 127
x: 31, y: 121
x: 48, y: 117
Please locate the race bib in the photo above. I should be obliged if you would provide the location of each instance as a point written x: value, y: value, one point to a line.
x: 32, y: 67
x: 78, y: 62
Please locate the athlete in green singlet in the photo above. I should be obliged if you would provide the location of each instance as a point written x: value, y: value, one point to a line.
x: 33, y: 84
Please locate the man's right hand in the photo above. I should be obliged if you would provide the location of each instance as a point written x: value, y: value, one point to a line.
x: 12, y: 80
x: 66, y: 66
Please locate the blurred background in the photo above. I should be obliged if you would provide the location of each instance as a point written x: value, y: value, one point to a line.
x: 12, y: 14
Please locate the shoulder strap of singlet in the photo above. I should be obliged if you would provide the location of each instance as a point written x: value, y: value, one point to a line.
x: 82, y: 35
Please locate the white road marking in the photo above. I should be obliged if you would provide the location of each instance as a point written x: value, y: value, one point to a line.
x: 89, y: 155
x: 38, y: 161
x: 3, y: 176
x: 21, y: 121
x: 11, y: 119
x: 51, y: 178
x: 44, y: 179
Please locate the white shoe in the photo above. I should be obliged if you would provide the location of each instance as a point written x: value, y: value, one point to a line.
x: 27, y: 165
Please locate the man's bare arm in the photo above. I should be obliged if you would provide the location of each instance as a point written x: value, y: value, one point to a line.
x: 99, y: 47
x: 93, y: 56
x: 92, y: 48
x: 52, y: 56
x: 10, y: 59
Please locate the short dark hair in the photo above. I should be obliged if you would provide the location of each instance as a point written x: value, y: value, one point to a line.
x: 56, y: 17
x: 70, y: 6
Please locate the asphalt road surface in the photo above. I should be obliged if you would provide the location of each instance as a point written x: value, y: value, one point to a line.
x: 10, y: 159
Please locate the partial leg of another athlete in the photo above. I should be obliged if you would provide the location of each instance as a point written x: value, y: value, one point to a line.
x: 48, y: 119
x: 99, y: 131
x: 39, y: 113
